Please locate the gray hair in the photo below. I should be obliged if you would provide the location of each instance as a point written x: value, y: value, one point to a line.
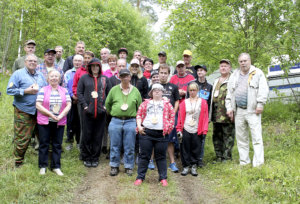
x: 31, y: 55
x: 78, y: 57
x: 105, y: 49
x: 59, y: 46
x: 80, y: 42
x: 246, y: 54
x: 119, y: 60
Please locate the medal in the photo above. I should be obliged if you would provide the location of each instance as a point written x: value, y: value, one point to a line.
x: 124, y: 107
x: 35, y: 86
x: 216, y: 94
x: 192, y: 122
x: 94, y: 94
x: 154, y: 120
x: 56, y: 108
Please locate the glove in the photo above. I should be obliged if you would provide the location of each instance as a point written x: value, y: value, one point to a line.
x: 179, y: 135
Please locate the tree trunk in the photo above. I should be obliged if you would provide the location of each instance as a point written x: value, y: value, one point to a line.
x: 8, y: 42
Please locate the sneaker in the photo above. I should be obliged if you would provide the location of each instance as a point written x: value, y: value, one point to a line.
x: 151, y: 165
x: 138, y: 182
x: 185, y: 171
x: 87, y: 164
x: 114, y: 171
x: 95, y: 164
x: 164, y: 182
x: 173, y: 167
x: 194, y: 170
x: 58, y: 172
x: 42, y: 171
x: 129, y: 172
x: 69, y: 147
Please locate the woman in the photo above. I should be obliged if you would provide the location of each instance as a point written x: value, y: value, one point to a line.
x: 137, y: 78
x: 92, y: 91
x: 122, y: 103
x: 112, y: 62
x: 155, y: 120
x: 192, y: 125
x: 148, y: 66
x: 53, y: 104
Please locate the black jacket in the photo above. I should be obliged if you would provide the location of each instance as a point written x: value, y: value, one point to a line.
x: 141, y: 84
x: 68, y: 63
x: 88, y: 84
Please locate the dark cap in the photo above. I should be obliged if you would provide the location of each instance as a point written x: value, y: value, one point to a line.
x: 162, y: 53
x: 30, y: 42
x: 154, y: 72
x: 49, y: 50
x: 226, y: 61
x: 124, y: 72
x: 200, y: 67
x: 123, y: 49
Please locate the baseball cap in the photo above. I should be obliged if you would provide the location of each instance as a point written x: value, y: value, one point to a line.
x: 156, y: 86
x: 187, y: 52
x: 200, y: 67
x: 123, y: 49
x: 50, y: 50
x: 225, y: 60
x: 124, y: 72
x: 135, y: 61
x: 179, y: 62
x: 154, y: 72
x: 30, y: 42
x: 162, y: 53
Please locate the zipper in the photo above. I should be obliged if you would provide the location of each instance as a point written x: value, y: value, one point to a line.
x: 96, y: 89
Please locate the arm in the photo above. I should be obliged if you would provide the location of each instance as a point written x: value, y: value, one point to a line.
x: 262, y: 94
x: 228, y: 98
x: 108, y: 102
x: 13, y: 87
x: 65, y: 111
x: 176, y: 106
x: 44, y: 111
x: 80, y: 93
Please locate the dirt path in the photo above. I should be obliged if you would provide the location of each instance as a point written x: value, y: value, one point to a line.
x: 99, y: 187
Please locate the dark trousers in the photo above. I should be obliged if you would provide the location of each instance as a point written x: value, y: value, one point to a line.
x: 51, y: 133
x: 223, y: 139
x: 93, y: 130
x: 202, y: 139
x: 190, y: 148
x: 73, y: 125
x: 160, y: 145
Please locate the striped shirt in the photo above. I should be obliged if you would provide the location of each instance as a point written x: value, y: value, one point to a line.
x: 241, y: 92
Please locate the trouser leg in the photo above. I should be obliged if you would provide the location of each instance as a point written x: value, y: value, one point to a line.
x: 129, y: 142
x: 197, y: 147
x: 228, y: 130
x: 146, y: 146
x: 186, y: 149
x: 98, y: 132
x: 116, y: 138
x: 160, y: 151
x: 86, y: 140
x: 57, y: 133
x: 218, y: 139
x: 45, y: 131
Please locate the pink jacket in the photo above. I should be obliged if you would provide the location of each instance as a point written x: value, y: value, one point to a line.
x: 203, y: 118
x: 43, y: 119
x: 168, y: 115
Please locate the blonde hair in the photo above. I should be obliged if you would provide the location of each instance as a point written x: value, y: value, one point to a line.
x: 139, y: 72
x: 193, y: 85
x: 51, y: 71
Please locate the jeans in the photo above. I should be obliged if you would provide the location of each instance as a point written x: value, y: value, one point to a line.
x: 122, y: 133
x: 55, y: 132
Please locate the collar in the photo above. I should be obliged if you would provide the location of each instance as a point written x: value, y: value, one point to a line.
x: 29, y: 71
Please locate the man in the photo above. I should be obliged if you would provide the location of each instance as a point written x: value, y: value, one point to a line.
x: 59, y: 60
x: 223, y: 127
x: 104, y: 53
x: 115, y: 80
x: 123, y: 53
x: 187, y: 58
x: 79, y: 50
x: 246, y: 96
x: 162, y: 59
x: 137, y: 55
x: 24, y: 85
x: 73, y: 124
x: 49, y: 59
x: 29, y: 48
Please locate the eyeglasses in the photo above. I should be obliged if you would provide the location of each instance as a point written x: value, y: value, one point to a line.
x: 32, y: 61
x: 193, y: 90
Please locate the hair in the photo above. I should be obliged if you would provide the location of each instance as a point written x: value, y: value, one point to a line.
x: 148, y: 60
x: 103, y: 49
x: 90, y: 53
x: 193, y: 85
x: 246, y: 54
x: 80, y: 42
x: 139, y: 73
x: 78, y: 57
x: 112, y: 57
x: 137, y: 51
x: 122, y: 60
x: 51, y: 71
x: 164, y: 66
x: 59, y: 46
x: 31, y: 55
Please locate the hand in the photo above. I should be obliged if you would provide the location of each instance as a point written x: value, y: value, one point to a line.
x: 31, y: 90
x: 259, y: 110
x: 179, y: 136
x: 59, y: 117
x: 53, y: 117
x: 230, y: 115
x: 141, y: 130
x: 85, y: 108
x: 75, y: 99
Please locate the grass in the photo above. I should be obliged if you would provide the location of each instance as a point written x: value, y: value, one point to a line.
x: 277, y: 181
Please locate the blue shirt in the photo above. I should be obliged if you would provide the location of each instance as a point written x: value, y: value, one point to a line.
x: 68, y: 80
x: 18, y: 82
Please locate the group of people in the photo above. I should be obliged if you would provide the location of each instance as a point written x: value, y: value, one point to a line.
x: 143, y: 110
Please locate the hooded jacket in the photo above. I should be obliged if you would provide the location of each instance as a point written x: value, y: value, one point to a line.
x: 87, y: 88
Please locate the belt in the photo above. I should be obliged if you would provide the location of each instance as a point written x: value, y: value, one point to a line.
x: 123, y: 117
x: 242, y: 107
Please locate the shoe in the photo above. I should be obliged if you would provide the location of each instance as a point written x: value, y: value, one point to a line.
x: 164, y: 182
x: 151, y: 165
x: 95, y: 164
x: 114, y: 171
x: 129, y: 172
x: 185, y: 171
x: 104, y: 150
x: 42, y: 171
x: 173, y: 167
x: 194, y: 170
x: 87, y: 164
x: 69, y: 147
x: 200, y: 164
x: 138, y: 182
x: 58, y: 172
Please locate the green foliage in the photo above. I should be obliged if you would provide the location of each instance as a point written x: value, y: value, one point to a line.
x: 278, y: 111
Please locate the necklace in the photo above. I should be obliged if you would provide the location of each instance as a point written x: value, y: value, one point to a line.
x: 124, y: 106
x: 192, y: 121
x: 154, y: 119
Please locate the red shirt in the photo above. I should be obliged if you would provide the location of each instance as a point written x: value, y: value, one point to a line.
x: 182, y: 82
x: 79, y: 73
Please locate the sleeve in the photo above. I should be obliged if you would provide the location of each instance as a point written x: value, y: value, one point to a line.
x: 80, y: 93
x: 181, y: 117
x: 108, y: 102
x: 13, y: 87
x: 229, y: 94
x: 139, y: 99
x: 171, y: 117
x: 68, y: 98
x: 263, y: 91
x: 40, y: 95
x: 75, y: 83
x: 145, y: 88
x: 176, y: 93
x: 203, y: 119
x: 141, y: 111
x: 209, y: 98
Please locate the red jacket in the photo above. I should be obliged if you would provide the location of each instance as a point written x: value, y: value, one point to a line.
x: 203, y: 118
x: 79, y: 73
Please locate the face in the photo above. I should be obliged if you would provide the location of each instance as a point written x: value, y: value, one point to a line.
x: 137, y: 55
x: 148, y: 66
x: 31, y: 63
x: 162, y: 59
x: 201, y: 73
x: 157, y: 93
x: 125, y: 79
x: 77, y: 63
x: 187, y: 59
x: 155, y: 79
x: 224, y: 69
x: 163, y: 75
x: 29, y: 49
x: 95, y: 69
x: 49, y: 57
x: 142, y: 61
x: 53, y: 78
x: 181, y: 69
x: 104, y: 55
x: 245, y: 63
x: 59, y: 52
x: 121, y: 64
x: 134, y: 68
x: 112, y: 63
x: 123, y: 55
x: 193, y: 92
x: 79, y: 49
x: 87, y: 59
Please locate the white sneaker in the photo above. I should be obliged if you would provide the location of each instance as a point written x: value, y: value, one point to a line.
x: 58, y: 172
x: 42, y: 171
